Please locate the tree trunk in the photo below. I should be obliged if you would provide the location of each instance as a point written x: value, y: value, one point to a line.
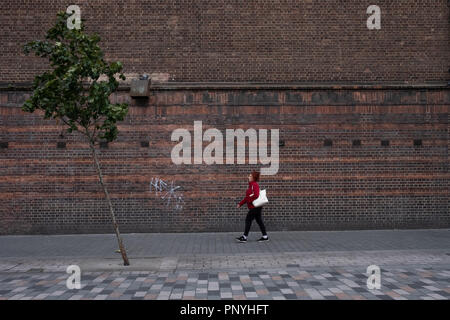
x: 111, y: 210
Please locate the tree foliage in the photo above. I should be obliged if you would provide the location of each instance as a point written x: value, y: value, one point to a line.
x: 77, y: 88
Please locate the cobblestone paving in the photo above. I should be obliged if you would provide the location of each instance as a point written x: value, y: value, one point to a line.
x: 345, y: 283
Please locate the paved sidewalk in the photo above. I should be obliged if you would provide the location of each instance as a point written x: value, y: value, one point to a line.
x: 172, y: 244
x: 415, y: 264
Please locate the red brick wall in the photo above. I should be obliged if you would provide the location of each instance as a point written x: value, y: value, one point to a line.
x: 44, y: 189
x: 252, y: 40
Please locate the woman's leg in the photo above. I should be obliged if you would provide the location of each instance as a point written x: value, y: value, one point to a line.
x: 259, y: 221
x: 248, y: 221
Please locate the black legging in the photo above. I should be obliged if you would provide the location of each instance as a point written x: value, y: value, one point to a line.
x: 254, y: 213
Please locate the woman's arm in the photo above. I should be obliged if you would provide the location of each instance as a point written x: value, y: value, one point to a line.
x: 255, y: 193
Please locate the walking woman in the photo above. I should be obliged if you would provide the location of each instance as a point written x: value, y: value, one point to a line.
x: 252, y: 194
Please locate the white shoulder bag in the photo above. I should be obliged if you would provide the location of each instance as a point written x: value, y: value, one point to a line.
x: 261, y: 200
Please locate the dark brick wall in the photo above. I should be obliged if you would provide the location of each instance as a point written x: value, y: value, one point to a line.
x: 44, y: 189
x: 48, y: 183
x: 252, y: 40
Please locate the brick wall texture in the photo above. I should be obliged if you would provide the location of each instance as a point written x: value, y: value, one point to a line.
x: 252, y: 40
x: 49, y: 190
x: 45, y: 189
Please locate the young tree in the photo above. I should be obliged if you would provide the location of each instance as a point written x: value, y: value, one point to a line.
x: 76, y: 91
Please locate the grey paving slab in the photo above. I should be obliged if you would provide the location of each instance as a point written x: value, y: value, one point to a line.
x: 167, y: 245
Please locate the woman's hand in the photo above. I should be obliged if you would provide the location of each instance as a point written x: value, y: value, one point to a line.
x: 238, y: 206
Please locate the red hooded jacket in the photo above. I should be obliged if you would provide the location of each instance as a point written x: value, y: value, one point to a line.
x: 251, y: 194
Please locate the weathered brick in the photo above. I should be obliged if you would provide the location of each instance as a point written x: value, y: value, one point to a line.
x: 288, y: 48
x: 255, y: 40
x: 49, y: 190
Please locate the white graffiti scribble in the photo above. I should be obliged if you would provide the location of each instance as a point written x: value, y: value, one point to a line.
x: 168, y: 192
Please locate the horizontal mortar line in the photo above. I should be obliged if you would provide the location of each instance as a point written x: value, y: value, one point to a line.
x: 292, y: 138
x: 133, y: 161
x: 351, y: 118
x: 289, y: 166
x: 253, y: 85
x: 436, y: 107
x: 203, y: 91
x: 407, y: 108
x: 221, y: 100
x: 80, y: 177
x: 145, y: 178
x: 217, y: 110
x: 289, y: 136
x: 162, y: 107
x: 134, y: 146
x: 187, y: 85
x: 287, y: 153
x: 207, y: 195
x: 164, y: 112
x: 296, y: 131
x: 299, y: 128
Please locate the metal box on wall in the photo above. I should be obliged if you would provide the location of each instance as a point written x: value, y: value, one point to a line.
x: 139, y: 88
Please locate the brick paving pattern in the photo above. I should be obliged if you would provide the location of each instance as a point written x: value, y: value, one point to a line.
x: 425, y: 283
x: 294, y: 265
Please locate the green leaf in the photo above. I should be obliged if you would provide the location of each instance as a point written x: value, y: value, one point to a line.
x: 75, y: 57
